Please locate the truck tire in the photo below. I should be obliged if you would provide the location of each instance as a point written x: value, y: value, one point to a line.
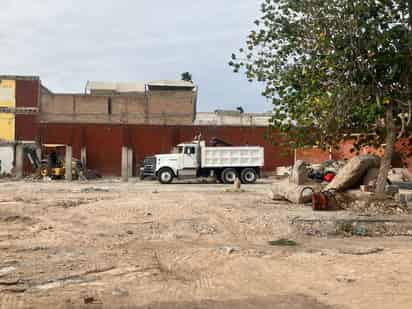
x: 165, y: 176
x: 248, y: 175
x: 229, y: 175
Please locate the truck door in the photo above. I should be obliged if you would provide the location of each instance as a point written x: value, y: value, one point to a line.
x: 190, y: 157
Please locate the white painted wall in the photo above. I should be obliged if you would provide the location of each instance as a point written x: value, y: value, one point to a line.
x: 6, y: 159
x: 233, y: 119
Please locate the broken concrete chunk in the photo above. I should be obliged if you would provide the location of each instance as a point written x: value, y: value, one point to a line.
x: 407, y: 175
x: 299, y: 173
x: 285, y: 190
x: 396, y: 175
x: 283, y: 171
x: 403, y: 197
x: 399, y: 175
x: 351, y: 175
x: 228, y: 250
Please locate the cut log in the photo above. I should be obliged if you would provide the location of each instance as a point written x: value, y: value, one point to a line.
x: 351, y: 175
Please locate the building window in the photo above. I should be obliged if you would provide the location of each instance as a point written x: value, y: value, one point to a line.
x: 190, y: 150
x: 109, y: 105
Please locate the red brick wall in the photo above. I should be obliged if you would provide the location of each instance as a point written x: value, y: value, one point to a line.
x: 104, y: 142
x: 26, y: 127
x: 27, y: 93
x: 312, y: 155
x: 403, y: 147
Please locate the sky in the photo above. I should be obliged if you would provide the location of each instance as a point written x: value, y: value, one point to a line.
x: 67, y: 42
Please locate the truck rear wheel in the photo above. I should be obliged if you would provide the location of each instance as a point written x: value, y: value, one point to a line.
x: 165, y: 175
x: 248, y: 175
x: 229, y: 175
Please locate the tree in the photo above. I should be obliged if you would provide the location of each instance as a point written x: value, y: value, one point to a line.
x: 186, y: 76
x: 334, y: 68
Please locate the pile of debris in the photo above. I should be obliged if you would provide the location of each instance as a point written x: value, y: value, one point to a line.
x: 351, y: 187
x: 297, y: 188
x: 387, y: 206
x: 323, y: 172
x: 360, y: 170
x: 5, y: 175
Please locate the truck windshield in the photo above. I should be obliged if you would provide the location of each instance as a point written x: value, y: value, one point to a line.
x: 179, y: 149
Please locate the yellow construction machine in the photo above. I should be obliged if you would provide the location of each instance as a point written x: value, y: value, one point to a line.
x: 53, y: 164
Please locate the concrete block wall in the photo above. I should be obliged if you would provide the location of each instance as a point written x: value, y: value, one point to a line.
x: 129, y: 109
x: 171, y: 107
x: 85, y: 105
x: 154, y: 107
x: 50, y: 105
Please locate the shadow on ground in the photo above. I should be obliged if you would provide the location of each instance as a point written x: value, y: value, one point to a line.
x: 294, y: 301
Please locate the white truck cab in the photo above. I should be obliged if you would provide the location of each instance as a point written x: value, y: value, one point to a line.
x: 195, y: 159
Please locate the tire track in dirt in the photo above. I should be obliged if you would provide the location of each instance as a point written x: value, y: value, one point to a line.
x: 9, y: 301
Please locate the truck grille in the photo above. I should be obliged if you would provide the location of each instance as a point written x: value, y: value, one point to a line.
x: 149, y: 165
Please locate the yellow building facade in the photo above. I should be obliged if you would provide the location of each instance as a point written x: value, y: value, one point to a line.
x: 7, y: 106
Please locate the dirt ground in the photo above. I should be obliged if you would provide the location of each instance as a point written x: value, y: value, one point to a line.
x: 108, y: 244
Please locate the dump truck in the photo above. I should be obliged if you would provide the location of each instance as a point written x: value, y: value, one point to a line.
x: 195, y: 159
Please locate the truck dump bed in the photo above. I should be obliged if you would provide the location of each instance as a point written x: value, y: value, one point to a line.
x: 232, y: 157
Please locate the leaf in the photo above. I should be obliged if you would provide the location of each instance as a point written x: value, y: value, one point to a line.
x: 333, y: 66
x: 386, y: 101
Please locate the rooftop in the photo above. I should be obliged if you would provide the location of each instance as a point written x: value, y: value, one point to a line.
x: 92, y: 86
x: 134, y: 87
x: 19, y: 77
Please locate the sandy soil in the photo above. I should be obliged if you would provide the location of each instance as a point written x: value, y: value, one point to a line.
x: 107, y: 244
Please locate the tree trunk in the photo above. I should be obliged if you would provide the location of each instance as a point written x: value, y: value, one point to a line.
x: 410, y: 14
x: 389, y: 149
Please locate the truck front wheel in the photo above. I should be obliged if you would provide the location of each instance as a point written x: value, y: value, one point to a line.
x: 165, y: 175
x: 229, y: 175
x: 248, y: 175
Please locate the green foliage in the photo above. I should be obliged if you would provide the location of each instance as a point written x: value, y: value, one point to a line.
x: 331, y: 67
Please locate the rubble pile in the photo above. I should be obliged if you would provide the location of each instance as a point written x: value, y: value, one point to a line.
x: 298, y: 194
x: 387, y: 207
x: 399, y: 175
x: 351, y: 187
x: 297, y: 188
x: 353, y: 173
x: 373, y: 206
